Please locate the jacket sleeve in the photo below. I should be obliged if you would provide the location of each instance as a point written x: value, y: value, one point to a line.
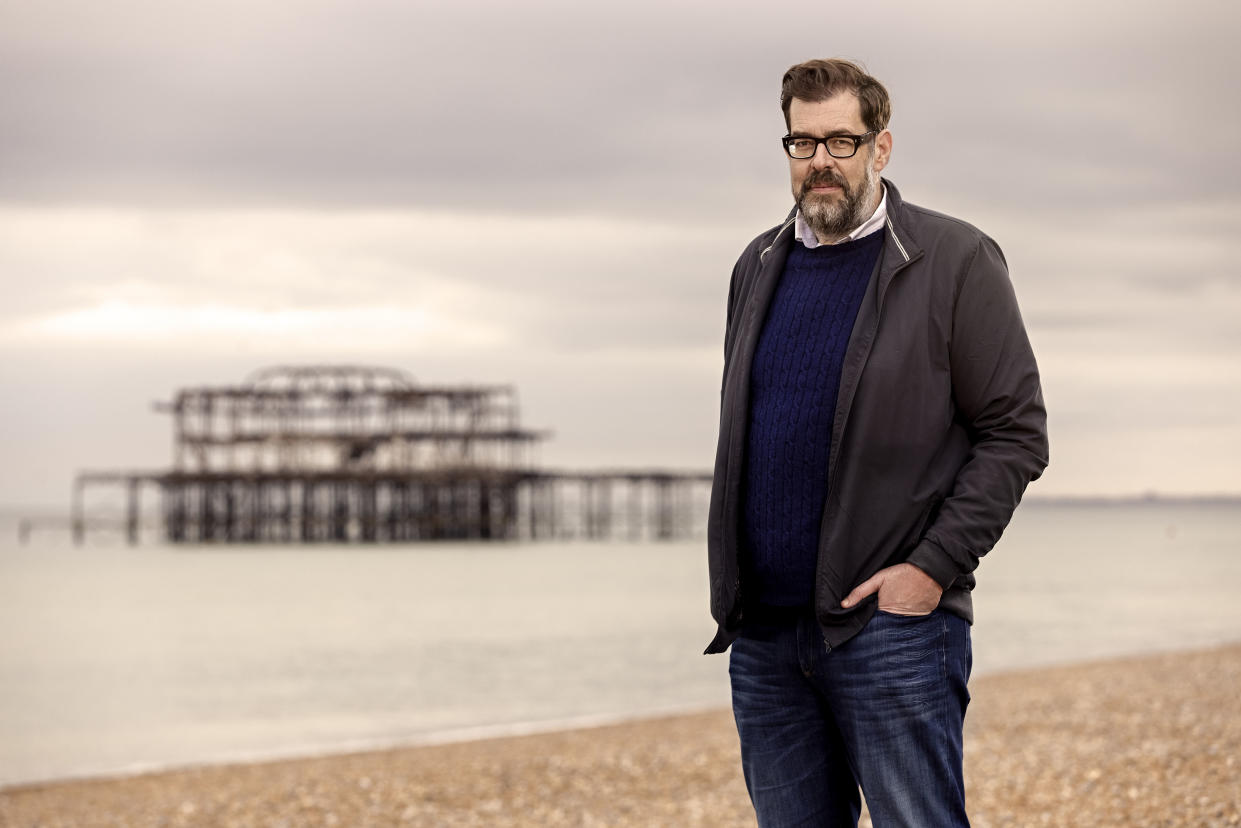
x: 995, y: 386
x: 728, y: 324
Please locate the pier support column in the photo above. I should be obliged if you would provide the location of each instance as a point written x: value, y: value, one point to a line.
x: 663, y: 510
x: 131, y: 511
x: 603, y: 509
x: 79, y: 522
x: 635, y: 510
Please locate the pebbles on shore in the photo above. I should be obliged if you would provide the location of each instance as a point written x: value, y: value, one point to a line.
x: 1150, y: 741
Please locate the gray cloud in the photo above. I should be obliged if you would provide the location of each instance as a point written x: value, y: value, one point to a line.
x: 572, y: 108
x: 525, y: 168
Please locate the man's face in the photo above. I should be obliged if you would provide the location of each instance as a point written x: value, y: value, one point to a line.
x: 835, y: 195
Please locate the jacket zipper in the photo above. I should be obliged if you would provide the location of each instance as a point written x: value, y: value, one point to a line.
x: 838, y: 439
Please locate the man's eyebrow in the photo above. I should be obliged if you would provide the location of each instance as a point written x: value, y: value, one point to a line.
x: 835, y: 133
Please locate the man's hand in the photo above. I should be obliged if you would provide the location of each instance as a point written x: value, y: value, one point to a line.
x: 903, y: 589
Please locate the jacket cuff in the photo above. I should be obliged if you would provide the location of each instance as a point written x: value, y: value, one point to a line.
x: 934, y: 561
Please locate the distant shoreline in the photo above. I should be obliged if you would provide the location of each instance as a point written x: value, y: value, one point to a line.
x: 60, y: 514
x: 1135, y: 500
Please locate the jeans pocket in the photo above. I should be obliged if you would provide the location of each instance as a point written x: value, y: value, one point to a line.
x: 903, y: 616
x: 907, y: 650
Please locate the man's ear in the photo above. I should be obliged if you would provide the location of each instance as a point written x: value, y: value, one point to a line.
x: 883, y: 150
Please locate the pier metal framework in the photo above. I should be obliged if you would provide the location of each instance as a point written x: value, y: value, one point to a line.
x: 358, y: 453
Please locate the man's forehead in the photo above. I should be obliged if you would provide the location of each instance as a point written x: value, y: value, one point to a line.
x: 841, y: 111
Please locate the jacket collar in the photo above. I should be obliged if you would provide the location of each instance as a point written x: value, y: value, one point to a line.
x: 896, y: 224
x: 906, y: 249
x: 903, y: 249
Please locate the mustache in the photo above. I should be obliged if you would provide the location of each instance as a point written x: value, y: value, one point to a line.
x: 824, y: 177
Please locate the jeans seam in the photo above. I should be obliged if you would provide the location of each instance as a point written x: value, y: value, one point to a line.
x: 943, y: 647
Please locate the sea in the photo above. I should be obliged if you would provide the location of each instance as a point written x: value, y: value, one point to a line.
x: 116, y: 659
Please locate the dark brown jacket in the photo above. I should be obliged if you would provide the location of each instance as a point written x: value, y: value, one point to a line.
x: 939, y: 422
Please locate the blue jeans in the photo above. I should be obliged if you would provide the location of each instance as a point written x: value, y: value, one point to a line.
x: 883, y: 711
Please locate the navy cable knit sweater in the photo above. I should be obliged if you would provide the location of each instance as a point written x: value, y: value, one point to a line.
x: 793, y: 385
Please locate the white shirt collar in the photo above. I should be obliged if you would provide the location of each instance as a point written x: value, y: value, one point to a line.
x: 872, y: 225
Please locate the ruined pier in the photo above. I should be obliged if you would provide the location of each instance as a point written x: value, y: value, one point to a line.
x: 347, y: 454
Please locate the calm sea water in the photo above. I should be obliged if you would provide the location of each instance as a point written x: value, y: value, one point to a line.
x: 115, y: 658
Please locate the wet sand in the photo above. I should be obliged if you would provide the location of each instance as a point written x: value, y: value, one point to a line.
x: 1150, y: 741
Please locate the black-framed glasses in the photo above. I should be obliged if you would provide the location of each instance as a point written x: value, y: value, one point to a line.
x: 802, y: 147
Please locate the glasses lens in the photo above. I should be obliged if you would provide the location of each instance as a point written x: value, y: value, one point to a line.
x: 802, y: 147
x: 841, y: 147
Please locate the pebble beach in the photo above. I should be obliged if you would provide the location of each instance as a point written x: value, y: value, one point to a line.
x: 1146, y: 741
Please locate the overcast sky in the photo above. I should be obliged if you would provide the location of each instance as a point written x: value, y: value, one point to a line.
x: 499, y: 192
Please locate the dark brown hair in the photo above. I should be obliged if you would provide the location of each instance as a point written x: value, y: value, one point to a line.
x: 818, y: 80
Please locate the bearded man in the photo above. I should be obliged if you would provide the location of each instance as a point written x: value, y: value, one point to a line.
x: 881, y: 417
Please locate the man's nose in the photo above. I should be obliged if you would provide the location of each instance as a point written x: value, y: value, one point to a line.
x: 822, y: 159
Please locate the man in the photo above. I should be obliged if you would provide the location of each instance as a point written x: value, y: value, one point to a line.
x: 881, y: 417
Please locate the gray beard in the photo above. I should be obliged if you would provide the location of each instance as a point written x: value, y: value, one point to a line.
x: 832, y: 220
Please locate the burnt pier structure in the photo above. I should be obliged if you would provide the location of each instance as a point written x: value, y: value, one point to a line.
x: 363, y: 454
